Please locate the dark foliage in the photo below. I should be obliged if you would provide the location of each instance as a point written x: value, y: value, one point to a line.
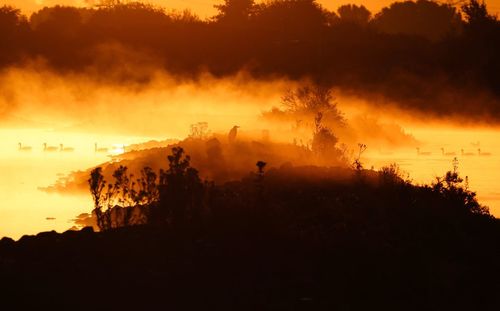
x: 306, y: 238
x: 423, y: 18
x: 421, y: 54
x: 353, y: 14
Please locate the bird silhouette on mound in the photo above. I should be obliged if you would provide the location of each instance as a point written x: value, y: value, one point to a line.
x: 231, y: 137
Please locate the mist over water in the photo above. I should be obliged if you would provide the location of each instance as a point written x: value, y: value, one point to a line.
x: 79, y: 111
x: 483, y: 171
x: 26, y: 209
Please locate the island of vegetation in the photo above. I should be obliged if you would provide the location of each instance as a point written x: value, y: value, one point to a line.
x: 223, y: 222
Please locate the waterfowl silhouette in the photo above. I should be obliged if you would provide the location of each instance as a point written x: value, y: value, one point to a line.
x: 49, y: 148
x: 232, y: 134
x: 448, y: 153
x: 467, y: 153
x: 96, y: 149
x: 24, y: 148
x: 423, y: 153
x: 65, y: 149
x: 479, y: 152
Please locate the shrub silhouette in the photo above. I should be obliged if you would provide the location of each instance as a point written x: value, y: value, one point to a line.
x: 358, y: 165
x: 317, y: 232
x: 180, y: 190
x: 353, y: 14
x: 324, y: 142
x: 424, y: 18
x: 177, y: 195
x: 97, y: 185
x: 280, y: 201
x: 453, y: 189
x: 310, y: 100
x: 234, y: 12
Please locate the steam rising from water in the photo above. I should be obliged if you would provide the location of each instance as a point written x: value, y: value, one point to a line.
x: 165, y: 106
x: 79, y: 110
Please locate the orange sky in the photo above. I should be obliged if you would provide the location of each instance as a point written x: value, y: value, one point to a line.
x: 205, y: 7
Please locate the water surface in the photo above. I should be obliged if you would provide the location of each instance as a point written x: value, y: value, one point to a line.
x: 24, y: 209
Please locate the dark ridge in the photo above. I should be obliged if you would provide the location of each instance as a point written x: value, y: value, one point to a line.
x: 293, y: 238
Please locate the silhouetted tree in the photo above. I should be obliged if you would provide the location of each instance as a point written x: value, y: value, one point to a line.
x: 14, y: 34
x: 199, y: 130
x: 324, y: 142
x: 97, y: 185
x: 180, y: 189
x: 424, y: 18
x: 351, y: 13
x: 234, y: 11
x: 476, y: 14
x: 456, y: 193
x: 407, y: 42
x: 390, y: 175
x: 312, y: 100
x: 59, y: 34
x: 148, y: 189
x: 107, y: 3
x: 357, y: 164
x: 292, y: 33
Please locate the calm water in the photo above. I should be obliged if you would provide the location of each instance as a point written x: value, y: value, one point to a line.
x: 483, y: 170
x: 24, y: 209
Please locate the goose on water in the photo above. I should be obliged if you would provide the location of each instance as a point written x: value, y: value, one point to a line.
x: 96, y: 149
x: 481, y: 153
x: 65, y: 149
x: 24, y: 148
x: 49, y: 148
x: 467, y: 153
x: 448, y: 153
x: 423, y: 153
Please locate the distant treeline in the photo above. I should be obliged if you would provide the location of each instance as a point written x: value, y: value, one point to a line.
x: 420, y: 52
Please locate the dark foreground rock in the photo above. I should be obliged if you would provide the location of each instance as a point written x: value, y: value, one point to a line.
x: 294, y: 239
x: 151, y: 268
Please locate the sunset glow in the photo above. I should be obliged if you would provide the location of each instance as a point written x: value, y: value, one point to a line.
x: 77, y: 114
x: 206, y: 8
x: 249, y: 155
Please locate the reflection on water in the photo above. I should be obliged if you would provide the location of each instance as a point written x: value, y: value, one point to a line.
x: 23, y: 208
x: 26, y: 210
